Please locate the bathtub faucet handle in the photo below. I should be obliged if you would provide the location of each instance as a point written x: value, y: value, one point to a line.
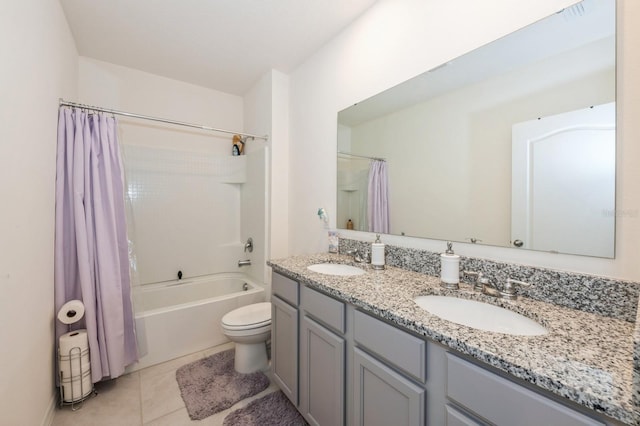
x: 249, y: 245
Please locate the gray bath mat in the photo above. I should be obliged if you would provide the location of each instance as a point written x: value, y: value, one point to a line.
x: 270, y: 410
x: 211, y: 385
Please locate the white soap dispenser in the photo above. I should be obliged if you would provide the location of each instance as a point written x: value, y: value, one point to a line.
x: 377, y: 253
x: 449, y: 268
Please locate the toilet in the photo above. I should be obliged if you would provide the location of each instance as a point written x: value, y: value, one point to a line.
x: 249, y: 327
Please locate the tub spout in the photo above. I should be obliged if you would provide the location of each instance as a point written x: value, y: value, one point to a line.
x: 244, y: 263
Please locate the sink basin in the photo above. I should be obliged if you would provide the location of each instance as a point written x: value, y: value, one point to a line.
x: 479, y: 315
x: 335, y: 269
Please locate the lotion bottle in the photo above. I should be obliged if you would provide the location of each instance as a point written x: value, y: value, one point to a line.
x: 449, y: 268
x: 377, y: 254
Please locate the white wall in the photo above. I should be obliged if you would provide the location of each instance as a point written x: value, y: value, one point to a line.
x: 39, y: 65
x: 267, y: 112
x: 398, y: 39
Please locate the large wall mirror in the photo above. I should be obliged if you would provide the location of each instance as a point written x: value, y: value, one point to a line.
x: 512, y: 144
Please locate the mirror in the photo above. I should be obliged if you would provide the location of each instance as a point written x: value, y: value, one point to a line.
x: 512, y: 144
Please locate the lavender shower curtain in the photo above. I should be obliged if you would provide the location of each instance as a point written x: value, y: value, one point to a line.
x: 91, y: 248
x: 378, y: 197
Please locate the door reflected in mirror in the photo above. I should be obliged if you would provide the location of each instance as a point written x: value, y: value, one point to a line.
x: 453, y: 142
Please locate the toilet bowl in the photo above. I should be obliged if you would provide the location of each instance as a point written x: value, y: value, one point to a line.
x: 249, y: 327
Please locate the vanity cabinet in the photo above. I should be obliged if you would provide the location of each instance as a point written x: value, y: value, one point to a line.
x: 340, y: 365
x: 382, y: 396
x: 284, y: 335
x: 504, y: 402
x: 308, y: 350
x: 322, y: 358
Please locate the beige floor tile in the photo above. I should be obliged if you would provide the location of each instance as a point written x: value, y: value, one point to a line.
x: 177, y: 418
x: 171, y: 365
x: 160, y: 395
x: 150, y: 395
x: 117, y: 403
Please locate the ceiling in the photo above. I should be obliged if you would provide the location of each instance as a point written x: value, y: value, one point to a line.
x: 225, y: 45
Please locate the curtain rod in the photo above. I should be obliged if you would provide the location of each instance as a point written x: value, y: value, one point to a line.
x: 361, y: 156
x: 161, y: 120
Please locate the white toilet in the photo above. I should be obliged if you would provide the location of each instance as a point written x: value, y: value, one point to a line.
x: 249, y: 327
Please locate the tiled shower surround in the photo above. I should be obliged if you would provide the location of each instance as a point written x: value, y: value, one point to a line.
x: 599, y: 295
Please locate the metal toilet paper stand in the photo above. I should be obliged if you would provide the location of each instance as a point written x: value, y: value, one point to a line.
x: 70, y: 313
x: 76, y: 402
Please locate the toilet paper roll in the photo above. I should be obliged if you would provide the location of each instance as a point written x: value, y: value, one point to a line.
x: 73, y: 339
x: 76, y: 389
x: 71, y: 312
x: 74, y: 365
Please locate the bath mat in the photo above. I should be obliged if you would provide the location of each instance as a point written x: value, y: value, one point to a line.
x: 270, y: 410
x: 211, y: 385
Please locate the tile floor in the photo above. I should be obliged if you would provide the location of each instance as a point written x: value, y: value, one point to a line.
x: 148, y: 397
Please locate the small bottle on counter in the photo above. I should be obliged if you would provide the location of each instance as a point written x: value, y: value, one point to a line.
x: 334, y: 242
x: 349, y: 224
x: 377, y: 254
x: 449, y: 268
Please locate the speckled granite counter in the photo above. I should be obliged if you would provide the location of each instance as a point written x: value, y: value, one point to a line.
x: 586, y: 357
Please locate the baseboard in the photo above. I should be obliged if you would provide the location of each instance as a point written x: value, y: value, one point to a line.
x: 51, y: 410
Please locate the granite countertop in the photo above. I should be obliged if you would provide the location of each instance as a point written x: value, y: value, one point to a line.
x: 585, y: 357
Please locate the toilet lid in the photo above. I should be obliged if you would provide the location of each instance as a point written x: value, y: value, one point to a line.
x: 256, y: 314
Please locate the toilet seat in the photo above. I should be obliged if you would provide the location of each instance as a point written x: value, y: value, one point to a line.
x: 249, y: 317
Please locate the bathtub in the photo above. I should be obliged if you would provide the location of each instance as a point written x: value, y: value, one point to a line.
x: 177, y: 318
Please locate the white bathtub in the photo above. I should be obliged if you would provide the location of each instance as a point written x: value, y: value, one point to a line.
x: 181, y: 317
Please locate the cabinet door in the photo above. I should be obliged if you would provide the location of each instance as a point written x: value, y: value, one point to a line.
x: 321, y: 374
x: 284, y: 347
x: 382, y: 396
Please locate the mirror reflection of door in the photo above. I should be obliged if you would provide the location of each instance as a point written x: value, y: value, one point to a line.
x: 563, y: 180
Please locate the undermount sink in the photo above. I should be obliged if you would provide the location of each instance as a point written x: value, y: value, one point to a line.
x: 479, y: 315
x: 335, y: 269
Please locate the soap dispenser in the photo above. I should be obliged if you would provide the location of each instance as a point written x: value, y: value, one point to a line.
x: 449, y: 268
x: 377, y: 254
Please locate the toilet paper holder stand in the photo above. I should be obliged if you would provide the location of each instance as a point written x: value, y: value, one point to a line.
x: 75, y: 354
x: 76, y: 359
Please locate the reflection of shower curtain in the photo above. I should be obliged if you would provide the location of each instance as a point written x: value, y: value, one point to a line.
x: 378, y: 196
x: 91, y: 251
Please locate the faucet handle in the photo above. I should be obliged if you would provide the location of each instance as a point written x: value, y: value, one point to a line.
x: 477, y: 280
x: 510, y: 288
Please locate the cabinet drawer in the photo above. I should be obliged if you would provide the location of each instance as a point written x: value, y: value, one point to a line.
x: 401, y: 349
x: 324, y: 309
x: 285, y: 287
x: 504, y: 402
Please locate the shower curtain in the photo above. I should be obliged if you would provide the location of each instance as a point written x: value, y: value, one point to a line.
x: 378, y: 197
x: 91, y: 251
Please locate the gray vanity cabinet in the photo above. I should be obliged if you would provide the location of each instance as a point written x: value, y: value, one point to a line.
x: 383, y: 397
x: 284, y: 335
x: 503, y: 402
x: 340, y: 365
x: 322, y: 358
x: 322, y: 373
x: 390, y: 375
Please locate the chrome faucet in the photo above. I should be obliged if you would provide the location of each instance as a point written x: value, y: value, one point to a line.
x: 482, y: 284
x: 477, y: 276
x: 246, y: 262
x: 510, y: 289
x: 357, y: 256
